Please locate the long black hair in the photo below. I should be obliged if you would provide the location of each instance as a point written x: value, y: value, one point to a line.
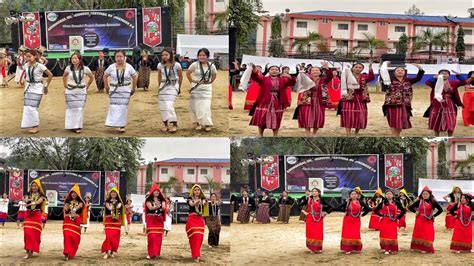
x: 81, y: 63
x: 469, y: 75
x: 169, y: 50
x: 205, y: 51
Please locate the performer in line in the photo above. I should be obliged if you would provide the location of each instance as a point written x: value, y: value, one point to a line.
x: 355, y: 96
x: 4, y: 66
x: 263, y: 212
x: 198, y: 209
x: 468, y: 100
x: 391, y: 211
x: 445, y: 100
x: 114, y: 218
x: 354, y: 208
x: 20, y: 66
x: 169, y: 215
x: 252, y: 88
x: 4, y: 209
x: 99, y: 66
x: 128, y: 215
x: 245, y: 205
x: 76, y: 89
x: 462, y: 233
x: 21, y: 211
x: 398, y: 96
x: 453, y: 200
x: 334, y: 90
x: 285, y: 202
x: 170, y: 78
x: 272, y: 100
x: 32, y: 229
x: 377, y: 199
x: 144, y: 70
x: 155, y: 208
x: 74, y: 215
x: 311, y: 110
x: 315, y: 214
x: 45, y: 214
x: 201, y: 75
x: 303, y: 204
x: 423, y: 232
x: 34, y: 90
x: 405, y: 201
x: 87, y: 211
x: 120, y: 87
x: 213, y: 221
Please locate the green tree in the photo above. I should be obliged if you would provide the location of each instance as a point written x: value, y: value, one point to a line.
x: 372, y: 44
x: 465, y: 167
x: 402, y: 44
x: 441, y: 167
x: 168, y: 186
x: 275, y: 48
x: 460, y: 45
x: 303, y: 45
x: 414, y: 11
x: 102, y: 154
x: 149, y: 176
x: 429, y: 38
x: 199, y: 21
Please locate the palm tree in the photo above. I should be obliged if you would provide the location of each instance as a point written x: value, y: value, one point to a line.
x: 429, y: 38
x: 372, y: 44
x: 465, y: 167
x: 222, y: 20
x: 304, y: 44
x: 170, y: 184
x: 212, y: 185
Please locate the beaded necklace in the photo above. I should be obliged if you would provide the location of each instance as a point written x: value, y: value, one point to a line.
x: 350, y: 212
x: 423, y: 205
x: 392, y: 217
x: 316, y: 215
x: 461, y: 216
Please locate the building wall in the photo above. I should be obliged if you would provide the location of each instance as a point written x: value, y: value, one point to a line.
x: 454, y: 154
x: 211, y: 8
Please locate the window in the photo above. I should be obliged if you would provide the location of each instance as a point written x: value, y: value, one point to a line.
x: 467, y: 32
x: 190, y: 171
x: 342, y: 26
x: 382, y: 23
x: 461, y: 147
x: 362, y: 44
x: 362, y: 27
x: 399, y: 28
x: 301, y: 24
x: 325, y: 20
x: 227, y: 172
x: 164, y: 171
x: 203, y: 171
x: 342, y: 44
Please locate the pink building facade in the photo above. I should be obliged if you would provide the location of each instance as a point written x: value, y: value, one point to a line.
x: 457, y: 150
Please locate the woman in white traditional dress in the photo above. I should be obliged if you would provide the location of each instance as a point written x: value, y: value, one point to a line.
x: 34, y: 90
x: 120, y: 87
x: 169, y: 216
x: 170, y: 77
x: 74, y: 80
x: 201, y: 75
x: 20, y: 65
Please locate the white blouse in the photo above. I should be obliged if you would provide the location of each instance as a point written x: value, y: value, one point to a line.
x: 70, y: 79
x: 128, y: 74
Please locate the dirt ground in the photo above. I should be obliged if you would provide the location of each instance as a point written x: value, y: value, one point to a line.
x: 143, y: 119
x: 377, y: 124
x: 133, y: 247
x: 273, y: 243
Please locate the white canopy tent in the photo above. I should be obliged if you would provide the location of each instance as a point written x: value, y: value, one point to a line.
x: 188, y: 45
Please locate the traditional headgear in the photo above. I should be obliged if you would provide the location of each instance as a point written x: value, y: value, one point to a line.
x: 426, y: 188
x: 122, y: 212
x: 358, y: 190
x: 201, y: 196
x: 454, y: 189
x: 162, y: 196
x: 378, y: 191
x: 22, y: 48
x: 41, y: 191
x: 389, y: 190
x: 404, y: 192
x: 77, y: 189
x: 42, y: 49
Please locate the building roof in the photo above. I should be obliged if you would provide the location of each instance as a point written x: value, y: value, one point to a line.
x: 385, y: 16
x: 195, y: 160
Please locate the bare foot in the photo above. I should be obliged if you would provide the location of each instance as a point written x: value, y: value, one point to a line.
x: 34, y: 130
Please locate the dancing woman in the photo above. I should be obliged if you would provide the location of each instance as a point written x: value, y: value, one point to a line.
x: 354, y: 208
x: 21, y: 211
x: 391, y: 211
x: 303, y: 204
x: 398, y: 96
x: 87, y: 211
x: 114, y: 218
x: 263, y: 212
x: 374, y: 222
x: 468, y: 100
x: 99, y: 66
x: 123, y: 80
x: 128, y: 215
x: 76, y: 89
x: 245, y: 204
x: 272, y: 99
x: 74, y: 215
x: 423, y: 232
x: 169, y: 215
x: 144, y: 70
x: 405, y: 201
x: 155, y: 209
x: 445, y: 100
x: 454, y: 198
x: 354, y: 99
x: 315, y: 221
x: 462, y: 233
x: 213, y: 221
x: 32, y: 229
x: 4, y: 208
x: 334, y: 90
x: 201, y: 75
x: 170, y: 78
x: 285, y: 203
x: 314, y: 98
x: 34, y: 90
x: 198, y: 209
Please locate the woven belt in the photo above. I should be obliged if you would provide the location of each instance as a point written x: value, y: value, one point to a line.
x: 34, y: 81
x: 71, y: 87
x: 120, y: 85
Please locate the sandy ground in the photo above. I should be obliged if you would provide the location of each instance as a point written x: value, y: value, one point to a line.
x: 133, y: 247
x: 377, y: 124
x: 143, y: 119
x: 285, y: 244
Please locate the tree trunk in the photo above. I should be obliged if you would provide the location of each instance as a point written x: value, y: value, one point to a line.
x: 430, y: 49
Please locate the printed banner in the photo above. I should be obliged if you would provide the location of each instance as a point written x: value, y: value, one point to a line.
x: 270, y: 177
x: 32, y: 31
x: 113, y: 29
x: 152, y: 26
x: 112, y: 179
x: 394, y: 171
x: 58, y: 183
x: 16, y: 185
x: 336, y: 172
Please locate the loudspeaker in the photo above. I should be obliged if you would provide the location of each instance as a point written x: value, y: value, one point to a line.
x: 225, y: 209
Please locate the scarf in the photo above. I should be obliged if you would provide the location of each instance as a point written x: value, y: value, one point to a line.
x: 385, y: 76
x: 244, y: 80
x: 438, y: 93
x: 304, y: 82
x: 348, y: 81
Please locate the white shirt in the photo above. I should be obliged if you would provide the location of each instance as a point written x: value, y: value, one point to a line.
x: 128, y: 75
x: 37, y: 72
x: 173, y: 74
x: 196, y: 72
x: 70, y: 78
x: 4, y: 205
x: 22, y: 205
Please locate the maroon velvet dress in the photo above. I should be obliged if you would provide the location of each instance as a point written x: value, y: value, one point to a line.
x: 398, y: 97
x: 312, y: 104
x: 353, y: 105
x: 272, y: 99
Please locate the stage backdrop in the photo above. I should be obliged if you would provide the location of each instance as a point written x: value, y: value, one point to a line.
x: 58, y: 183
x: 114, y: 29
